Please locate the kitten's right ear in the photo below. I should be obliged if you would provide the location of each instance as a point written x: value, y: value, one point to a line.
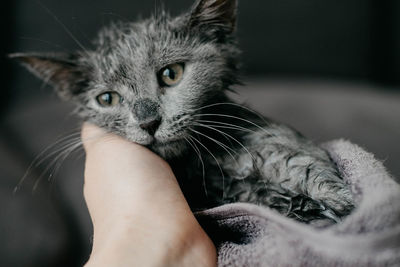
x: 215, y: 15
x: 62, y: 71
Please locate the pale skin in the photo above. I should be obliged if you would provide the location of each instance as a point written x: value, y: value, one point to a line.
x: 140, y: 216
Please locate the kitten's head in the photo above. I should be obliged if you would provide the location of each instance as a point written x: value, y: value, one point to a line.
x: 146, y: 81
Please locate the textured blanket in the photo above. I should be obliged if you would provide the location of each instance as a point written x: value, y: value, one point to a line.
x: 249, y: 235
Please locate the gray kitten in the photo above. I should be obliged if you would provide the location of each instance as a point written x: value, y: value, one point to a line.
x: 162, y: 83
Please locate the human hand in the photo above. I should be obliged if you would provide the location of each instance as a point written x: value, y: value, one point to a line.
x: 140, y: 216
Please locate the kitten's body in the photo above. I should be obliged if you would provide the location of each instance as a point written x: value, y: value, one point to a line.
x: 220, y: 152
x: 248, y: 158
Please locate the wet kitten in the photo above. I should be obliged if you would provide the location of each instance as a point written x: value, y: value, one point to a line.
x: 161, y: 83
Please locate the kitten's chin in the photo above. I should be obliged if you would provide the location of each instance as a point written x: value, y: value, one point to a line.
x: 170, y: 149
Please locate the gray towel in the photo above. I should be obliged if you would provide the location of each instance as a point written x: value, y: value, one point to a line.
x: 250, y: 235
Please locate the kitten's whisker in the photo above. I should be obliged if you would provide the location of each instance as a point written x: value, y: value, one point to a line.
x: 197, y: 150
x: 59, y: 160
x: 57, y: 166
x: 77, y: 146
x: 63, y: 26
x: 234, y: 117
x: 67, y: 145
x: 59, y: 163
x: 228, y: 126
x: 64, y: 146
x: 65, y: 138
x: 39, y: 156
x: 225, y: 147
x: 53, y: 162
x: 63, y: 155
x: 68, y: 150
x: 233, y: 138
x: 228, y: 139
x: 81, y: 155
x: 236, y: 105
x: 216, y: 160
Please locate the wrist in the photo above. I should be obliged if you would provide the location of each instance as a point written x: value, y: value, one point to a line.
x: 176, y: 245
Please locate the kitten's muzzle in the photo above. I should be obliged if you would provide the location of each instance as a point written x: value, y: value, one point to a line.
x: 147, y: 113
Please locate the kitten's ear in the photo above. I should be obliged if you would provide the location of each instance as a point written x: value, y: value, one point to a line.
x: 219, y: 15
x: 62, y: 71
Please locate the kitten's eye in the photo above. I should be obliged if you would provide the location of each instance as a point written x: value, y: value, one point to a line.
x: 171, y: 74
x: 109, y: 99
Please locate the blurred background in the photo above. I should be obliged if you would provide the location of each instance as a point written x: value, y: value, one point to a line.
x: 329, y: 68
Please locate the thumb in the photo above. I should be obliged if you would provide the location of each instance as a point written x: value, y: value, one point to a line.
x: 90, y: 134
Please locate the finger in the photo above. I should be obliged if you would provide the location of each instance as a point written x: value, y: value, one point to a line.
x: 89, y: 129
x: 93, y: 135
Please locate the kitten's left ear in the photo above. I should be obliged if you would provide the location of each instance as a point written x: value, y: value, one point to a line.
x: 218, y: 15
x: 62, y: 71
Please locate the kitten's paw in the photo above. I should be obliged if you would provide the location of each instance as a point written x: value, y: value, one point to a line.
x: 336, y: 196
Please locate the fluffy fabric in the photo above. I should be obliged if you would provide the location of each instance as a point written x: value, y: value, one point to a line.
x: 250, y: 235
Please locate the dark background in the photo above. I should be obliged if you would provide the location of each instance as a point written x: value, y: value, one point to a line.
x: 329, y: 68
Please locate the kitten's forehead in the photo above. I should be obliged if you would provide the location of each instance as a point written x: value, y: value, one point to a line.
x: 130, y: 51
x: 149, y: 41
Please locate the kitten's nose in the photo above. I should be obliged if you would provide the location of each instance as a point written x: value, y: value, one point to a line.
x: 145, y: 109
x: 151, y: 127
x: 147, y: 113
